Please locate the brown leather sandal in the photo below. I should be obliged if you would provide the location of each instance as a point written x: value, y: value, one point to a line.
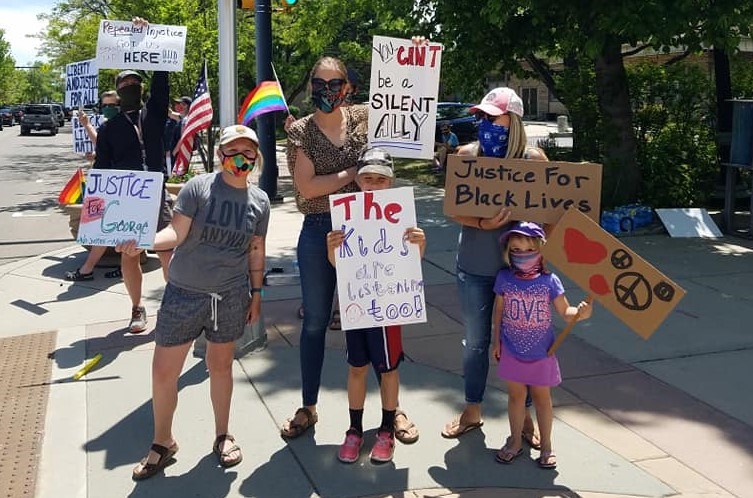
x: 292, y: 429
x: 145, y: 470
x: 224, y: 456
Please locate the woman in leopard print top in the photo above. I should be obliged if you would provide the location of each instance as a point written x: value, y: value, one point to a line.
x: 323, y: 149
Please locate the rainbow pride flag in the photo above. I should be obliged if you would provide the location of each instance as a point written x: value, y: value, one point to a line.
x: 266, y: 97
x: 73, y: 192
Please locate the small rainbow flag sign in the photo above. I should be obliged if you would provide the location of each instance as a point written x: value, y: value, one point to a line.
x: 73, y: 192
x: 266, y: 97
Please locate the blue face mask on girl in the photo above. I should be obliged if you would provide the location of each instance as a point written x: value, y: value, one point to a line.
x: 493, y: 138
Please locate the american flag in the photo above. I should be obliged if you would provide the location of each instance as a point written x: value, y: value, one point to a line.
x: 199, y: 118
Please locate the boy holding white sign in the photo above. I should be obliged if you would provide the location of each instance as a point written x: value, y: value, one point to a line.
x: 380, y: 346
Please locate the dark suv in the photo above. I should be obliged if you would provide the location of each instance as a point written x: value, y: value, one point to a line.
x: 463, y: 123
x: 6, y: 116
x: 39, y: 117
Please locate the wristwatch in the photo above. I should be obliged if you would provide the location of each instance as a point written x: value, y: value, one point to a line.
x: 256, y: 290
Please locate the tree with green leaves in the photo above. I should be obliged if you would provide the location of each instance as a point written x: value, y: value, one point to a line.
x: 587, y: 36
x: 7, y: 70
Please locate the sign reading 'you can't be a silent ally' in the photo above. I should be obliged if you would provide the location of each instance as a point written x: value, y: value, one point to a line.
x: 538, y: 191
x: 152, y: 47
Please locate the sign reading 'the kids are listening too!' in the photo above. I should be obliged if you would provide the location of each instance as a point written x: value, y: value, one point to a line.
x: 119, y: 206
x: 152, y: 47
x: 403, y: 96
x: 379, y: 278
x: 538, y: 191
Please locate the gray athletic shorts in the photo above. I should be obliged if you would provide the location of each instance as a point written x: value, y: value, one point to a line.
x: 184, y: 314
x: 165, y: 211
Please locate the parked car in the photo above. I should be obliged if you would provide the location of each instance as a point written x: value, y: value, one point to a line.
x: 6, y: 116
x: 59, y: 113
x: 39, y: 117
x: 464, y: 125
x: 18, y: 112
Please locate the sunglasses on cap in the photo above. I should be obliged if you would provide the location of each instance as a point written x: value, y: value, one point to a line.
x: 334, y: 85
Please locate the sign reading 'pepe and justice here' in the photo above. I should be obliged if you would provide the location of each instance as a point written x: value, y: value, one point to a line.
x: 538, y: 191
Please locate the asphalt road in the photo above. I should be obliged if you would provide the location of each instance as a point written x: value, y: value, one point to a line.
x: 33, y: 169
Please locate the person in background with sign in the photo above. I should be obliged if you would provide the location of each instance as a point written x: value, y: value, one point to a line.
x: 323, y: 151
x: 132, y: 140
x: 523, y: 333
x: 380, y: 346
x: 109, y: 105
x: 214, y: 286
x: 500, y: 134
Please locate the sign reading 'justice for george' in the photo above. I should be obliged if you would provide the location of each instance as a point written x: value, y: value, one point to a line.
x: 153, y: 47
x: 120, y: 205
x: 538, y: 191
x: 379, y: 279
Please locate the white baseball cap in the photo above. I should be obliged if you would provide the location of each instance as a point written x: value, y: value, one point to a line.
x: 234, y: 132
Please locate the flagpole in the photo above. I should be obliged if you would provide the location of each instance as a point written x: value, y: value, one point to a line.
x: 280, y: 85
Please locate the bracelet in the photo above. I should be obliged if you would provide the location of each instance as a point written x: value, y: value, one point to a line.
x: 256, y: 290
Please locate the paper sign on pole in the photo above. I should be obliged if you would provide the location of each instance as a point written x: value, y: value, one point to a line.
x: 623, y: 282
x: 403, y: 96
x: 81, y: 141
x: 81, y: 84
x: 154, y: 47
x: 538, y: 191
x: 119, y: 206
x: 379, y: 278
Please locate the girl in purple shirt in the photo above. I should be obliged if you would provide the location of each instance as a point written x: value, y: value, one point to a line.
x: 523, y: 333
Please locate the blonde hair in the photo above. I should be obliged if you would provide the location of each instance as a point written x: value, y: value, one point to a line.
x: 537, y: 242
x: 517, y: 141
x: 110, y: 93
x: 329, y: 62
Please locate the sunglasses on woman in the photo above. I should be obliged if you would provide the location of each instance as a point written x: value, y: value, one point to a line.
x: 106, y: 106
x: 482, y: 116
x: 334, y: 85
x: 248, y: 155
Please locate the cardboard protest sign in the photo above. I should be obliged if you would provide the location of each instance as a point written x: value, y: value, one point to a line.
x: 81, y: 84
x: 403, y: 96
x: 154, y: 47
x: 623, y: 282
x: 81, y: 141
x: 120, y: 205
x: 379, y: 278
x: 538, y: 191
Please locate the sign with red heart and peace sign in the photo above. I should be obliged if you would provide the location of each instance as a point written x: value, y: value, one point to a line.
x: 623, y: 282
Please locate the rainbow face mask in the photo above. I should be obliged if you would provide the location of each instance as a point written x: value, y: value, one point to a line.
x: 238, y: 164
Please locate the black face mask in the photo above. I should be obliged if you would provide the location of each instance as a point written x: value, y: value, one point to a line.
x: 130, y: 98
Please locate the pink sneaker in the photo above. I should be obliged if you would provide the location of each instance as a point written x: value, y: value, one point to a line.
x: 384, y: 447
x: 351, y: 447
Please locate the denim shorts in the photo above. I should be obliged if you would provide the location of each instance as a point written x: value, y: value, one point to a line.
x: 185, y: 314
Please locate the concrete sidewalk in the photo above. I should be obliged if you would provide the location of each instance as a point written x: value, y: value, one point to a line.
x: 632, y: 418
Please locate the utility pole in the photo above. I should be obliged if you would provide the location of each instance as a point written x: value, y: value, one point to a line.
x: 266, y: 122
x: 228, y: 72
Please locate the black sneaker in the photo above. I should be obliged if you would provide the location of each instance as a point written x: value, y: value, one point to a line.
x: 138, y: 320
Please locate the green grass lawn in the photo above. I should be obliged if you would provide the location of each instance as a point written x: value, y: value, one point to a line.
x: 418, y: 171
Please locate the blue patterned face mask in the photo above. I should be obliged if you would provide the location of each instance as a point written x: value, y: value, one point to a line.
x: 493, y: 138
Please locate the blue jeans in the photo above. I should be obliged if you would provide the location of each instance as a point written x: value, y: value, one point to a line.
x: 477, y: 304
x: 318, y: 288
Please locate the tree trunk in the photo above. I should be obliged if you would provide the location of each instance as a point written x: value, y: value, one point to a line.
x: 622, y: 176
